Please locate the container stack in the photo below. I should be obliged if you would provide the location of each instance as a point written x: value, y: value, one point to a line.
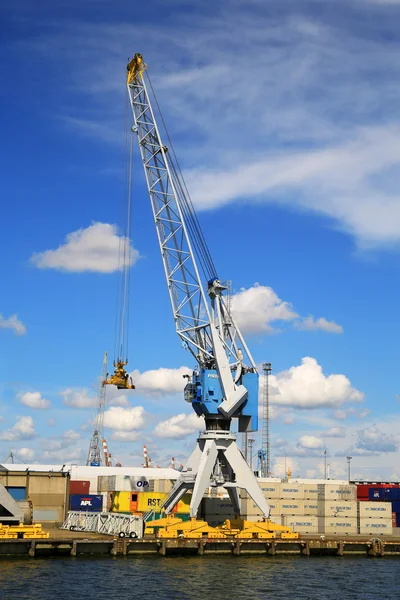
x: 329, y: 508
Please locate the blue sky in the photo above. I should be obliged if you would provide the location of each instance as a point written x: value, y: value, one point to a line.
x: 285, y: 119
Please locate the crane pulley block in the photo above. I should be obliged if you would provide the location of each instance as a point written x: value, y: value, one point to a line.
x: 121, y: 379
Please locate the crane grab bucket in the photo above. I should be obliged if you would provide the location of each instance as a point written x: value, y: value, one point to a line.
x: 121, y: 379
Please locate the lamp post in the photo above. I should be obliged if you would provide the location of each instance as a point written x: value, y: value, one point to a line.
x: 348, y: 466
x: 325, y: 471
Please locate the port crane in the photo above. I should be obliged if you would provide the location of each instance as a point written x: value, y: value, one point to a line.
x: 224, y: 386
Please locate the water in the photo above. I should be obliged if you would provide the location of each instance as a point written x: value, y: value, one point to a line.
x: 200, y: 578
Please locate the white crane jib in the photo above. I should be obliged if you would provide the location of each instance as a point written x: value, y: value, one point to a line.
x: 225, y: 385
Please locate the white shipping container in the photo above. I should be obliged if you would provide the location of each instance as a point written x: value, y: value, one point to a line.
x: 301, y: 524
x: 292, y: 490
x: 310, y: 491
x: 376, y: 526
x: 311, y: 507
x: 270, y: 490
x: 336, y: 525
x: 375, y: 509
x: 337, y: 508
x: 124, y: 483
x: 292, y: 507
x: 337, y: 492
x: 249, y: 507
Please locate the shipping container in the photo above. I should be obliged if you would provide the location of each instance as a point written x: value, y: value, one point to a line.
x: 374, y: 526
x: 79, y: 487
x: 124, y: 483
x: 301, y: 524
x: 139, y: 502
x: 310, y: 491
x: 291, y: 507
x: 89, y: 502
x: 293, y: 491
x: 337, y: 492
x: 337, y: 525
x: 311, y: 507
x: 375, y: 509
x: 18, y: 493
x: 397, y: 519
x: 337, y: 508
x: 376, y: 493
x: 394, y: 519
x: 271, y: 490
x: 249, y: 507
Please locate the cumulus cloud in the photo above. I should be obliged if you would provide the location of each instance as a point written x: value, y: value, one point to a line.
x: 342, y: 414
x: 34, y: 400
x: 321, y: 324
x: 161, y: 381
x: 78, y: 398
x: 124, y: 419
x: 63, y: 455
x: 255, y: 308
x: 95, y: 248
x: 335, y: 432
x: 26, y: 454
x: 311, y: 442
x: 306, y: 386
x: 374, y: 440
x: 12, y: 323
x: 24, y: 429
x: 179, y: 426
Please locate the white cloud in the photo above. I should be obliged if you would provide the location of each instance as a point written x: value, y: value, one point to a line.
x: 342, y: 414
x: 311, y: 442
x: 124, y: 419
x: 63, y: 455
x: 34, y: 400
x: 364, y: 413
x: 126, y: 436
x: 255, y: 310
x: 374, y: 440
x: 321, y: 324
x: 26, y: 454
x: 161, y: 381
x: 71, y: 435
x: 335, y: 432
x: 12, y: 323
x: 306, y: 386
x: 95, y: 248
x: 24, y: 429
x: 179, y: 426
x: 119, y: 400
x: 256, y: 307
x: 78, y: 398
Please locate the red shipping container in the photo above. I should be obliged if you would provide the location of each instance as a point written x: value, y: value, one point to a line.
x: 79, y: 487
x: 393, y: 519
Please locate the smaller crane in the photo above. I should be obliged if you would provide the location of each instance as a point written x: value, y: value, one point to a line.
x: 97, y: 441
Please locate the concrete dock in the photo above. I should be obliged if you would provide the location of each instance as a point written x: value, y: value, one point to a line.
x: 67, y: 543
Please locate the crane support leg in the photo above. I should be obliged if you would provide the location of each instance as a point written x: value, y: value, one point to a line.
x: 216, y: 461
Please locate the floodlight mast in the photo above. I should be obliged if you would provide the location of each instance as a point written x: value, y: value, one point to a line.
x: 225, y: 385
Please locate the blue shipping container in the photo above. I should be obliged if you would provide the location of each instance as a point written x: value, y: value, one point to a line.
x: 86, y: 502
x: 18, y: 493
x: 376, y: 494
x: 392, y: 494
x: 396, y: 506
x: 397, y: 519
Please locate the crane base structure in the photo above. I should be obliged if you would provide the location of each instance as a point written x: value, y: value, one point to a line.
x: 216, y: 461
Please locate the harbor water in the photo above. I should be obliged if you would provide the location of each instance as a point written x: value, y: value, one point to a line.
x: 194, y: 578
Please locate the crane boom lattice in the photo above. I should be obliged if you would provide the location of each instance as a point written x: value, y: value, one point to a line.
x: 96, y: 443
